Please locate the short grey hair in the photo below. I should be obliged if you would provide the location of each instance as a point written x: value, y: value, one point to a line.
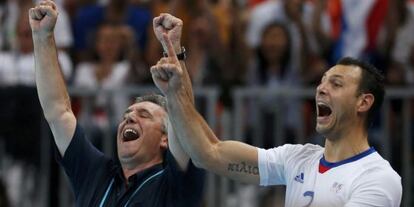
x: 160, y: 101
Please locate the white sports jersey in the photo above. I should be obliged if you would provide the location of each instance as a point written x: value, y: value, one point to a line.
x: 365, y: 179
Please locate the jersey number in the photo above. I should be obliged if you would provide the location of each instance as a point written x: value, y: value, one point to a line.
x: 310, y: 194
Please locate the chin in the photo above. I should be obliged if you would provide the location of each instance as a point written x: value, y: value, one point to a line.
x: 320, y: 130
x: 327, y: 132
x: 125, y: 158
x: 323, y: 130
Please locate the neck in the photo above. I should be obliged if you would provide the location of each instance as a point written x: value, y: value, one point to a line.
x: 345, y: 145
x: 130, y: 169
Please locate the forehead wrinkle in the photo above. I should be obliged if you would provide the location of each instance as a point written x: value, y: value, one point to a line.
x: 153, y: 109
x: 345, y: 72
x: 332, y: 73
x: 337, y: 76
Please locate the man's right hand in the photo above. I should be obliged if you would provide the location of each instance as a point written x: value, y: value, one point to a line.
x: 43, y: 17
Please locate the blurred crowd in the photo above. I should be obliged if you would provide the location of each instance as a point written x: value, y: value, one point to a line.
x: 107, y: 44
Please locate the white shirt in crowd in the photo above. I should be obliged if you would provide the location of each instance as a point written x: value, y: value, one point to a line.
x: 85, y: 78
x: 19, y: 69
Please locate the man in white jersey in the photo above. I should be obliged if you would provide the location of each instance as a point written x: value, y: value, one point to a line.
x: 346, y: 172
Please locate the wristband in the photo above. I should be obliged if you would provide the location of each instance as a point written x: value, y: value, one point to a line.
x: 180, y: 56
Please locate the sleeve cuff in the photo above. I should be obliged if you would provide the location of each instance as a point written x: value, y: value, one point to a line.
x: 262, y: 166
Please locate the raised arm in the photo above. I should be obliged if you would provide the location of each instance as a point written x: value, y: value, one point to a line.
x: 170, y: 26
x: 50, y: 84
x: 232, y: 159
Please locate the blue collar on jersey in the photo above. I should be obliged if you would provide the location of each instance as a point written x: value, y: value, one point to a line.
x: 351, y: 159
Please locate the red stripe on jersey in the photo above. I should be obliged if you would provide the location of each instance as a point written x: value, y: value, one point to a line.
x: 322, y: 168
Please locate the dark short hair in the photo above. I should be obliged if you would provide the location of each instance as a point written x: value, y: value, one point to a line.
x: 154, y: 98
x: 372, y: 81
x: 160, y: 101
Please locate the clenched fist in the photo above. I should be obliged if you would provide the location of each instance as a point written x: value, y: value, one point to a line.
x: 166, y: 24
x: 43, y: 17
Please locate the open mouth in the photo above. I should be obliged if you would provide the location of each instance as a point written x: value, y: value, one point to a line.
x: 324, y: 110
x: 130, y: 135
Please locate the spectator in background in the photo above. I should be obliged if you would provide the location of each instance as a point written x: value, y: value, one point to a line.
x: 223, y: 11
x: 206, y: 59
x: 110, y: 69
x: 89, y: 17
x: 271, y: 68
x: 295, y: 14
x: 218, y: 12
x: 20, y: 112
x: 16, y: 66
x: 11, y: 12
x: 271, y: 62
x: 401, y: 50
x: 17, y: 82
x: 350, y: 29
x: 396, y: 49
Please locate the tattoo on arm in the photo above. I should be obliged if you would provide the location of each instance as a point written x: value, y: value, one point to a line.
x: 243, y: 168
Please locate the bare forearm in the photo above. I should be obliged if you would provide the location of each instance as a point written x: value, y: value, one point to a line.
x: 195, y: 136
x: 187, y: 82
x: 174, y: 144
x: 232, y: 159
x: 50, y: 84
x: 52, y: 92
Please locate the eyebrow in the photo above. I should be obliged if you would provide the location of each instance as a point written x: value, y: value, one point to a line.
x: 127, y: 111
x: 334, y: 76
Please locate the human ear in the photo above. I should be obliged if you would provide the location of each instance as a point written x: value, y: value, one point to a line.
x: 164, y: 141
x: 365, y: 102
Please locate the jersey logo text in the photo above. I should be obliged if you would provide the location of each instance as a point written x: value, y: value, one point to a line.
x: 299, y: 178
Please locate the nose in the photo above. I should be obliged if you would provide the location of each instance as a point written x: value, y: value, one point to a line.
x: 130, y: 118
x: 321, y: 89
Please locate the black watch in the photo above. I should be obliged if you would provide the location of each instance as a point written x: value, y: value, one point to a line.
x: 180, y: 56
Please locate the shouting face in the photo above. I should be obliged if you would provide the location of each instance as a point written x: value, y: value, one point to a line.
x: 142, y: 135
x: 338, y: 100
